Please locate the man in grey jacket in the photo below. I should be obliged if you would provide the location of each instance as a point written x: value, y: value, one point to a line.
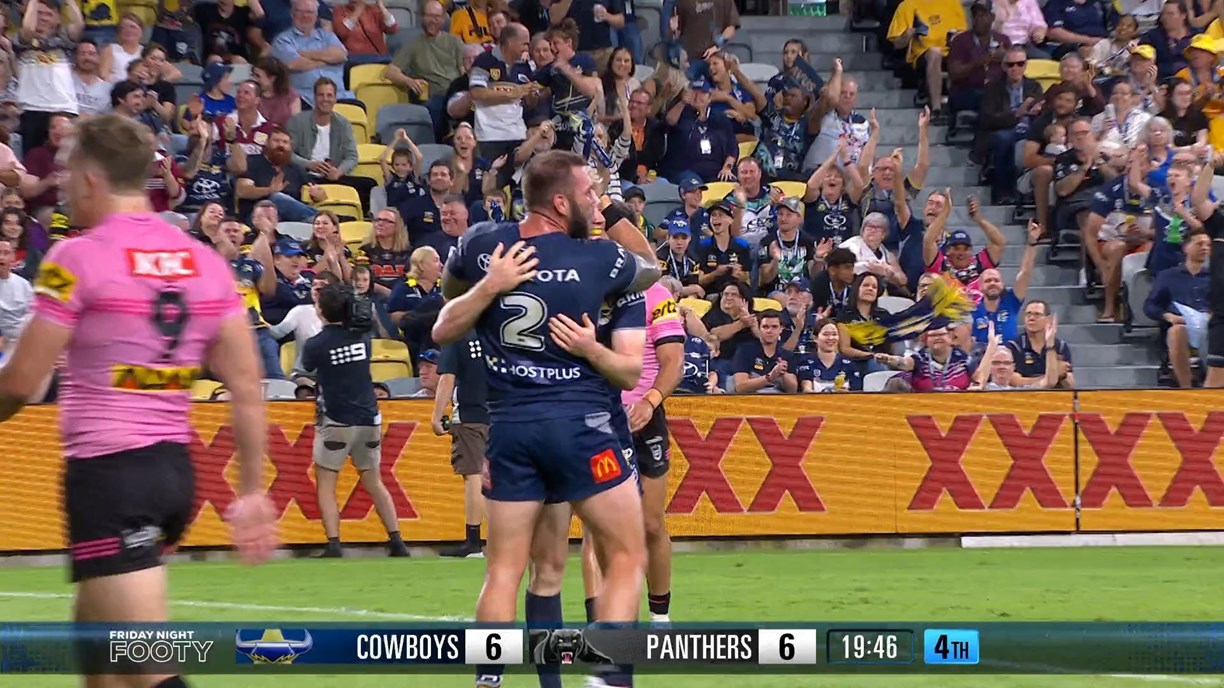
x: 324, y: 144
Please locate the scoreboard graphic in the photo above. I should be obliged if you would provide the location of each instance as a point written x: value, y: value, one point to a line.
x: 813, y: 648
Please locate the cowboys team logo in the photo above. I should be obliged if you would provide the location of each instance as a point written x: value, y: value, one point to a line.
x: 272, y: 647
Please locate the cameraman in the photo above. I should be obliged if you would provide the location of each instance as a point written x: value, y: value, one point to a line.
x: 347, y: 420
x: 462, y: 372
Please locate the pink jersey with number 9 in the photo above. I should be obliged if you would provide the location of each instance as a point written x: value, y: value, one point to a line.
x: 663, y: 324
x: 145, y: 301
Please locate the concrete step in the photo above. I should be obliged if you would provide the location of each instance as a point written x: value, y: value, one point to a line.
x: 898, y: 98
x: 1060, y: 296
x: 1043, y: 275
x: 823, y: 60
x: 1105, y: 355
x: 941, y: 155
x: 1090, y: 334
x: 794, y: 26
x: 1115, y: 377
x: 907, y: 135
x: 902, y: 117
x: 940, y: 176
x: 874, y: 79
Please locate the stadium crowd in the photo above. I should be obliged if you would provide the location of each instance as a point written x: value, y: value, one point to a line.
x: 789, y: 231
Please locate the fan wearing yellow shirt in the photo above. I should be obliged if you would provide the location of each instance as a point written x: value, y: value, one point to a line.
x: 1207, y: 78
x: 470, y: 22
x: 921, y: 27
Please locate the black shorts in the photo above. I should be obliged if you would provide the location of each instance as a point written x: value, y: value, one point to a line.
x: 1215, y: 342
x: 124, y: 509
x: 652, y: 447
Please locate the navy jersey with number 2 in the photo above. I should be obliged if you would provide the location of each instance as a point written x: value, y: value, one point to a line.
x: 553, y: 436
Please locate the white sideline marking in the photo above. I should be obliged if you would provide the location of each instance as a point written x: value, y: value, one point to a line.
x: 1154, y: 678
x: 1209, y: 538
x: 241, y: 606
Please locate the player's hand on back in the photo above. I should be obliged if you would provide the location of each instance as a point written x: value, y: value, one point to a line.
x: 252, y: 520
x: 576, y: 338
x: 508, y: 269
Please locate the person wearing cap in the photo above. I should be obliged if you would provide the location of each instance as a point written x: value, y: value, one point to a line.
x: 675, y: 259
x: 721, y: 257
x: 698, y: 142
x: 1170, y: 38
x: 921, y: 28
x: 692, y: 214
x: 635, y: 198
x: 956, y: 257
x: 786, y: 132
x: 303, y: 321
x: 755, y: 202
x: 831, y: 287
x: 798, y: 316
x: 1144, y: 77
x: 1204, y: 74
x: 292, y: 287
x: 787, y: 254
x: 215, y: 97
x: 1005, y: 115
x: 427, y: 371
x: 975, y: 56
x: 1074, y: 24
x: 310, y: 52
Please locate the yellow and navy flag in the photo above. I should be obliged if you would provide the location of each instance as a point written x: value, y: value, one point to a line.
x: 945, y: 302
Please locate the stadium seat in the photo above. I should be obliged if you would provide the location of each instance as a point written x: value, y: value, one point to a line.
x: 716, y: 191
x: 699, y: 306
x: 796, y: 189
x: 240, y: 73
x: 357, y: 118
x: 874, y: 382
x: 360, y: 75
x: 414, y: 119
x: 431, y: 152
x: 389, y: 370
x: 661, y: 191
x: 202, y: 390
x: 341, y: 199
x: 1139, y: 283
x: 279, y: 390
x: 389, y: 350
x: 288, y: 353
x: 402, y: 387
x: 355, y: 233
x: 655, y: 211
x: 301, y: 231
x: 183, y: 90
x: 377, y: 95
x: 756, y: 71
x: 762, y: 304
x: 1044, y: 72
x: 642, y: 72
x: 894, y: 304
x: 192, y: 74
x: 378, y: 199
x: 367, y: 162
x: 746, y: 149
x: 740, y: 50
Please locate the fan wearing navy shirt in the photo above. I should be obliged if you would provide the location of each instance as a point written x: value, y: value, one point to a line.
x: 722, y: 258
x: 422, y: 213
x: 552, y: 436
x: 1205, y: 207
x: 699, y: 377
x: 292, y: 287
x: 820, y: 370
x: 347, y: 419
x: 764, y: 365
x: 571, y: 82
x: 691, y: 214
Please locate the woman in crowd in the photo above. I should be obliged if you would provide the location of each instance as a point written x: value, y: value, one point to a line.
x: 125, y: 49
x: 415, y: 302
x: 872, y: 256
x: 1122, y: 122
x: 864, y: 295
x: 734, y: 95
x: 1157, y: 136
x: 1203, y: 74
x: 1170, y: 38
x: 467, y: 168
x: 387, y: 251
x: 278, y: 100
x: 618, y: 83
x: 14, y: 226
x: 207, y: 224
x: 43, y: 48
x: 826, y: 368
x: 1023, y: 24
x: 1187, y: 118
x: 1111, y: 58
x: 326, y: 249
x: 831, y: 211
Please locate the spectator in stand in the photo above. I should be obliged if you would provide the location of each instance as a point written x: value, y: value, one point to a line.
x: 1038, y: 159
x: 15, y: 229
x: 999, y: 373
x: 754, y: 203
x: 1075, y: 24
x: 837, y: 119
x: 938, y: 367
x: 786, y: 133
x: 159, y: 76
x: 649, y: 140
x: 1008, y: 107
x: 1119, y: 127
x: 459, y: 106
x: 787, y: 254
x: 210, y: 166
x: 230, y: 34
x: 703, y: 144
x: 704, y: 26
x: 1111, y: 58
x: 92, y: 91
x: 832, y: 214
x: 831, y: 287
x: 870, y: 254
x: 880, y: 196
x: 206, y: 228
x: 311, y: 53
x: 1120, y: 223
x: 1073, y: 72
x: 862, y: 307
x: 734, y: 95
x: 1203, y: 13
x: 570, y: 84
x: 498, y: 20
x: 326, y: 249
x: 723, y: 257
x: 1182, y: 288
x: 498, y: 82
x: 676, y: 261
x: 399, y: 162
x: 1029, y: 349
x: 795, y: 68
x: 427, y: 65
x: 733, y: 325
x: 278, y: 101
x: 255, y: 275
x: 764, y: 365
x: 364, y: 29
x: 470, y: 22
x: 1203, y: 73
x: 427, y: 371
x: 324, y: 144
x: 454, y: 222
x: 1171, y: 38
x: 699, y: 376
x: 303, y: 322
x: 541, y: 49
x: 16, y: 297
x: 956, y: 257
x: 825, y: 369
x: 975, y: 56
x: 214, y: 99
x: 999, y: 309
x: 293, y: 286
x: 798, y: 317
x: 921, y: 28
x: 595, y: 21
x: 278, y: 18
x: 165, y: 182
x: 691, y: 213
x: 416, y: 300
x: 118, y: 55
x: 1078, y: 173
x: 1023, y: 24
x: 1173, y: 214
x: 1186, y: 118
x: 387, y: 250
x: 618, y: 83
x: 422, y: 213
x: 250, y: 127
x: 276, y: 177
x: 43, y: 47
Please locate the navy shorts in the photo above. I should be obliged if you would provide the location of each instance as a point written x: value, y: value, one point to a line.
x: 557, y: 459
x: 652, y: 447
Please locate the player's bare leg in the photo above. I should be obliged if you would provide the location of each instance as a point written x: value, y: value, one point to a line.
x: 614, y: 520
x: 371, y: 479
x: 658, y: 548
x: 136, y: 597
x: 329, y: 510
x: 549, y: 550
x: 507, y: 554
x: 592, y: 577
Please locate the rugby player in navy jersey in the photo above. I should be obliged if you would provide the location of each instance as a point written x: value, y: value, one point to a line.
x: 533, y: 291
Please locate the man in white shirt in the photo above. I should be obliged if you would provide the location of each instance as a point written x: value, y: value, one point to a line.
x: 16, y: 295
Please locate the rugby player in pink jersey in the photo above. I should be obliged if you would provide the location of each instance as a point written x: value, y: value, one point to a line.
x: 139, y: 308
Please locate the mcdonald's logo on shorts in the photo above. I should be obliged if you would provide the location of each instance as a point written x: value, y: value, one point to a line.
x: 605, y: 467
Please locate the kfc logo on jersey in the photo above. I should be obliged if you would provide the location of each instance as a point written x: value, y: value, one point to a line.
x: 161, y: 264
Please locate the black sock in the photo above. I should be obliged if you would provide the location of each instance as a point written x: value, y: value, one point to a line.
x: 659, y: 604
x: 333, y: 541
x: 473, y: 534
x: 590, y: 609
x: 394, y: 537
x: 173, y: 682
x: 545, y: 612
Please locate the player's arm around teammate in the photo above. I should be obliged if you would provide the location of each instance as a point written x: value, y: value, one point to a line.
x: 507, y: 270
x: 621, y: 364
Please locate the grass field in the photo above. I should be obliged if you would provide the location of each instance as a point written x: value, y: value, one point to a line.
x: 1122, y: 584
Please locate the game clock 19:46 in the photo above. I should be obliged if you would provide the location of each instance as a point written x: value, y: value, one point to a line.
x: 866, y: 646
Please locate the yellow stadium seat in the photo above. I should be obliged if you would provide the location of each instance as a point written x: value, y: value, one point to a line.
x: 367, y: 162
x: 1045, y: 72
x: 389, y: 350
x: 747, y: 148
x: 357, y: 118
x: 360, y: 75
x: 716, y: 191
x: 355, y: 232
x: 369, y: 152
x: 762, y: 304
x: 698, y: 306
x: 342, y: 200
x: 288, y: 353
x: 382, y: 371
x: 202, y: 390
x: 377, y: 94
x: 796, y: 189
